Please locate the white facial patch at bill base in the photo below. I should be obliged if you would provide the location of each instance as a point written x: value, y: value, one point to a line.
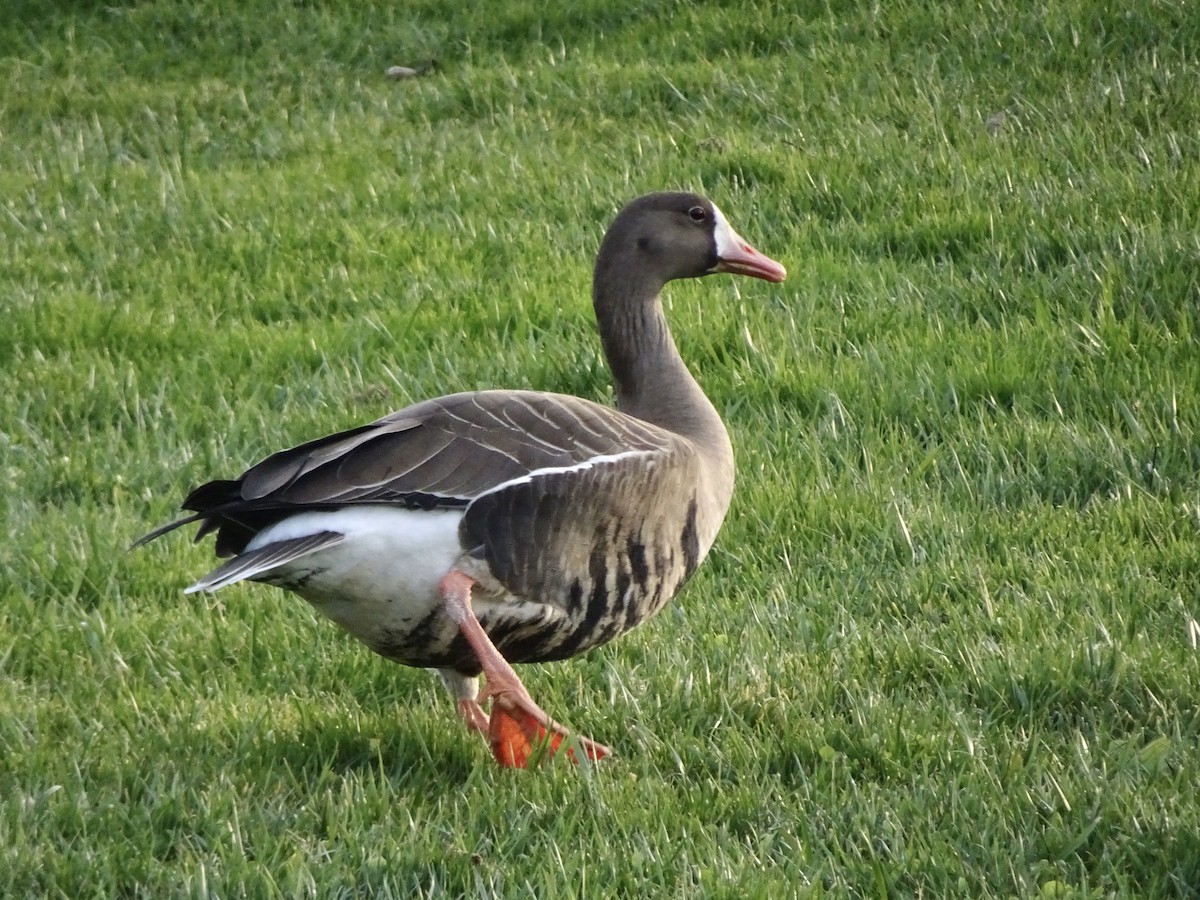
x: 728, y: 241
x: 734, y: 254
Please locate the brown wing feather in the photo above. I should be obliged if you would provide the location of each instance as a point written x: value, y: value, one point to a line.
x: 455, y: 447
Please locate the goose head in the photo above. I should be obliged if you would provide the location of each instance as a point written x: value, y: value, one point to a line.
x: 661, y: 237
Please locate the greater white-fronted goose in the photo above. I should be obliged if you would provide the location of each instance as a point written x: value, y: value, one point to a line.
x: 486, y: 528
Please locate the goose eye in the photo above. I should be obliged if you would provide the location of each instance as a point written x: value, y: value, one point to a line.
x: 698, y: 213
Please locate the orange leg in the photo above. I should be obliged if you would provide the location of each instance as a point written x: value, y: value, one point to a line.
x: 517, y: 725
x: 473, y: 715
x: 466, y: 694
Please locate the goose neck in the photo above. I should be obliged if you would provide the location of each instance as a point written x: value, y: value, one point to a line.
x: 650, y: 378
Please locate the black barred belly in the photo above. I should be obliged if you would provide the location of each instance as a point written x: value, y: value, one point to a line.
x: 621, y: 590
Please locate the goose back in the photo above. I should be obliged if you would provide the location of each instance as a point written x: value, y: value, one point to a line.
x: 588, y: 518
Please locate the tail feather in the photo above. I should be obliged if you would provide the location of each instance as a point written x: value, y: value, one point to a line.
x: 253, y: 563
x: 165, y: 529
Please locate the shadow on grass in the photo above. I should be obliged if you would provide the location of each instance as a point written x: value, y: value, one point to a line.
x: 312, y: 753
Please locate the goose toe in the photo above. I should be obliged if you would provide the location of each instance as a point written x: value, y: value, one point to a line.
x: 518, y: 736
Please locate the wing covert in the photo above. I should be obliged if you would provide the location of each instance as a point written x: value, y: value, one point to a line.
x: 455, y: 447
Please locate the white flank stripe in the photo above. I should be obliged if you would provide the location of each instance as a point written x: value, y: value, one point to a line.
x: 602, y: 460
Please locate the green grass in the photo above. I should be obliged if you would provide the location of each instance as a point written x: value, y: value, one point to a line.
x: 947, y: 642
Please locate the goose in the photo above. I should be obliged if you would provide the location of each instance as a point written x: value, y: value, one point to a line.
x: 481, y: 529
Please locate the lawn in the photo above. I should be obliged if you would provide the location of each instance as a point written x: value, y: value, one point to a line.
x: 946, y: 644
